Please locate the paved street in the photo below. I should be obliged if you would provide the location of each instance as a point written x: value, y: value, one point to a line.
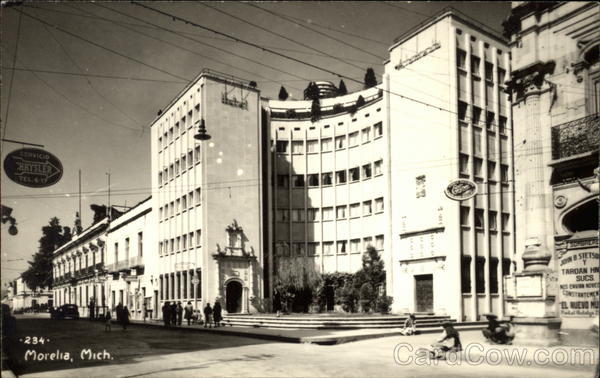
x: 144, y: 351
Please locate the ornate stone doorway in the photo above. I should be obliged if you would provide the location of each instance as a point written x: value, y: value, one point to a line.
x: 233, y: 297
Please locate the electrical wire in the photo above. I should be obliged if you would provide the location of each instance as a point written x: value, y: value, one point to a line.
x: 12, y: 78
x: 100, y: 76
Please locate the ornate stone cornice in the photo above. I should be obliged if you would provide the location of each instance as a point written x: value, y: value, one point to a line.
x: 529, y: 79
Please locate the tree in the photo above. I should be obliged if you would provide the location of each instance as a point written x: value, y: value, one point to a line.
x: 373, y: 274
x: 360, y: 101
x: 315, y: 110
x: 311, y: 92
x: 294, y: 276
x: 39, y: 273
x: 370, y: 79
x: 283, y: 94
x: 342, y: 88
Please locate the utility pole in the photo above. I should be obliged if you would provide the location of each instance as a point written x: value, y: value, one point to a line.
x: 109, y: 212
x: 80, y: 215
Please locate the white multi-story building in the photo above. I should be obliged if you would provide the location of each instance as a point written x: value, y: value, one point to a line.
x: 21, y: 297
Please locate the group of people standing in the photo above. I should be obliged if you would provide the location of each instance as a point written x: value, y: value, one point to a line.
x: 174, y: 313
x: 122, y: 313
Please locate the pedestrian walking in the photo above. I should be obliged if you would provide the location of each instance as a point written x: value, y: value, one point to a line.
x: 125, y: 317
x: 179, y: 313
x: 188, y: 313
x: 173, y: 313
x: 145, y: 311
x: 217, y: 314
x: 107, y: 319
x: 207, y: 316
x: 119, y: 312
x: 166, y: 313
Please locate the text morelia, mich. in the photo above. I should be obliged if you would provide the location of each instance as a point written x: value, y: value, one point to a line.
x: 58, y: 355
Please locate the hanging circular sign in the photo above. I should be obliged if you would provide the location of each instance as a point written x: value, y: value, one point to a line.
x: 33, y: 167
x: 461, y: 189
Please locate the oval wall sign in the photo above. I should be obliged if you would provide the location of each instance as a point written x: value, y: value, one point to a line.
x: 461, y: 189
x: 33, y: 167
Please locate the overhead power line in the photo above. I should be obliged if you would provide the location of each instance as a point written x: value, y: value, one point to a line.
x: 12, y: 78
x: 284, y: 17
x: 100, y: 76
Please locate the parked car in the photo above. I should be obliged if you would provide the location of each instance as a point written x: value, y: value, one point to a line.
x: 65, y: 311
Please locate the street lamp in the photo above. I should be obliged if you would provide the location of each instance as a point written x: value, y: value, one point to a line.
x: 202, y: 135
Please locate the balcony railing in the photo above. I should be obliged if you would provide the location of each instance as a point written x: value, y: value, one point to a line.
x: 132, y: 262
x: 576, y: 137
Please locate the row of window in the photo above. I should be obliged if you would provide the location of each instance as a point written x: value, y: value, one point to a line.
x: 140, y: 238
x: 312, y: 127
x: 326, y: 179
x: 179, y: 285
x: 312, y: 145
x: 476, y: 118
x: 193, y: 198
x: 478, y: 168
x: 354, y: 210
x: 186, y: 161
x: 340, y: 247
x: 179, y: 243
x: 461, y: 62
x: 480, y: 266
x: 480, y: 219
x: 180, y: 127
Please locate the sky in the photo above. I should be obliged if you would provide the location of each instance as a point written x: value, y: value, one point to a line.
x: 91, y: 77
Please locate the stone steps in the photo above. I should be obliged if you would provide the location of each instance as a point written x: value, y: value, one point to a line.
x: 331, y: 322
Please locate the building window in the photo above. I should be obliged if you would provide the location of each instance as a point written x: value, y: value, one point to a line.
x: 461, y: 59
x: 367, y: 242
x: 298, y: 249
x: 480, y: 275
x: 341, y: 247
x: 479, y: 221
x: 491, y: 170
x: 420, y: 182
x: 184, y: 202
x: 177, y: 165
x: 477, y: 167
x: 490, y: 120
x: 502, y: 125
x: 477, y: 131
x: 140, y: 244
x: 197, y: 154
x: 353, y: 139
x: 198, y: 238
x: 282, y: 146
x: 283, y: 215
x: 476, y: 115
x: 172, y: 245
x: 328, y: 248
x: 327, y: 178
x: 283, y: 181
x: 367, y: 173
x: 367, y: 208
x: 178, y: 204
x: 475, y: 62
x: 312, y: 146
x: 506, y: 264
x: 355, y: 210
x: 190, y: 158
x: 505, y: 222
x: 378, y: 129
x: 298, y: 181
x: 327, y: 213
x: 312, y: 215
x: 462, y: 111
x: 379, y: 242
x: 355, y: 246
x: 366, y: 135
x: 172, y: 207
x: 489, y: 71
x: 116, y: 252
x: 379, y: 205
x: 281, y: 248
x: 297, y: 147
x: 354, y: 174
x: 313, y: 179
x: 191, y: 198
x: 183, y: 163
x: 171, y: 171
x: 340, y: 142
x: 297, y: 215
x: 184, y: 242
x: 464, y: 216
x: 311, y: 248
x: 464, y: 164
x: 178, y: 244
x: 504, y: 173
x: 197, y: 194
x: 340, y: 177
x: 466, y: 274
x: 326, y: 144
x: 493, y: 216
x: 160, y: 248
x: 160, y: 143
x: 190, y: 240
x: 378, y: 167
x: 340, y: 212
x: 501, y: 76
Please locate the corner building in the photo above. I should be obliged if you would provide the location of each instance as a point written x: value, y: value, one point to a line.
x: 211, y: 195
x: 449, y: 118
x: 274, y: 181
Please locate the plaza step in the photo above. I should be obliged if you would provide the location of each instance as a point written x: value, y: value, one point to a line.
x: 331, y: 321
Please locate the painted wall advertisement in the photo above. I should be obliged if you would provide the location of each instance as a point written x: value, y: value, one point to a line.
x: 579, y: 281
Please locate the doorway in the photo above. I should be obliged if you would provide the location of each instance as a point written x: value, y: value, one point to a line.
x: 329, y: 297
x: 424, y: 292
x: 233, y: 297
